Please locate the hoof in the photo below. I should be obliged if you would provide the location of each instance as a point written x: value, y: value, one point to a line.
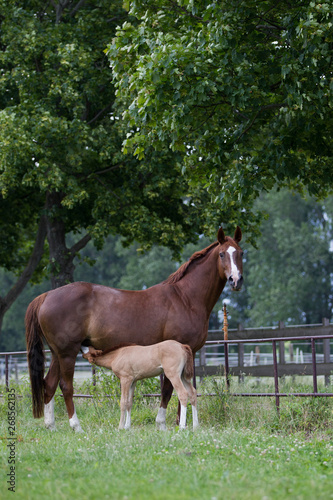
x: 50, y: 427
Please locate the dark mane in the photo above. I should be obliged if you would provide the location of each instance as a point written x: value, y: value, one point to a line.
x: 180, y: 273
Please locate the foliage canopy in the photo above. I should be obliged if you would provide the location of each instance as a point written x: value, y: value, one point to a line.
x: 244, y: 90
x: 60, y: 140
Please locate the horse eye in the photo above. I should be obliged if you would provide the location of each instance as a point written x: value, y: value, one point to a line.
x: 222, y: 255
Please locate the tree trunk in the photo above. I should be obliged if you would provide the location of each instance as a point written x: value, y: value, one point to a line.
x: 61, y: 258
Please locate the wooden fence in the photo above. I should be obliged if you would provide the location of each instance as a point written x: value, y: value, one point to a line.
x: 292, y: 362
x: 211, y: 358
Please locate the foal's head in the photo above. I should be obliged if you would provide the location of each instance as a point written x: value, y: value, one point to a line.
x: 230, y: 259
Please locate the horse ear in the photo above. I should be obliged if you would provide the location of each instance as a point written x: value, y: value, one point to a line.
x: 221, y: 236
x: 238, y: 234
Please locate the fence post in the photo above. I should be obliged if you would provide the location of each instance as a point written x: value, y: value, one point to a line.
x: 226, y: 357
x: 202, y: 358
x: 282, y: 358
x: 276, y: 378
x: 327, y: 353
x: 240, y: 355
x: 6, y: 372
x: 314, y: 366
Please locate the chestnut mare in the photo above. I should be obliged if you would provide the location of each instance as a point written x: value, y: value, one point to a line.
x: 131, y: 363
x: 88, y: 314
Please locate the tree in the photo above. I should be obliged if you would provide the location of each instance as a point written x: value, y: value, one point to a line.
x: 289, y: 277
x: 242, y: 89
x: 61, y: 166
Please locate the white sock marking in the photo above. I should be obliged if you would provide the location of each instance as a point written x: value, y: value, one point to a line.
x: 75, y: 423
x: 182, y: 423
x: 161, y: 418
x: 49, y: 419
x: 128, y: 420
x: 195, y: 417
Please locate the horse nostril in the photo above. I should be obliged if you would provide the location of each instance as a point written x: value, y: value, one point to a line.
x: 230, y: 279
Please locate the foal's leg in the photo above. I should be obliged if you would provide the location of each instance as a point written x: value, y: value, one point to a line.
x: 129, y: 406
x: 126, y: 400
x: 166, y: 395
x: 192, y: 393
x: 67, y: 366
x: 50, y: 385
x: 182, y: 396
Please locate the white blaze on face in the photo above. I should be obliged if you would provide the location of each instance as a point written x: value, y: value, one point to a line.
x: 234, y: 269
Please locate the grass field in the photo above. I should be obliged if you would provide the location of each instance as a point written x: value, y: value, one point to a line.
x: 241, y: 451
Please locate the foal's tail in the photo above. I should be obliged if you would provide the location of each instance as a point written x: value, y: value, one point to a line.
x: 188, y: 371
x: 36, y: 358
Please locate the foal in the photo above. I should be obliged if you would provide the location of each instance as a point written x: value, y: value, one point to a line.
x: 134, y: 362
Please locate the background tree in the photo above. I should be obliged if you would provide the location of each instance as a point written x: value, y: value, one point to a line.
x: 60, y: 145
x: 289, y: 277
x: 242, y: 89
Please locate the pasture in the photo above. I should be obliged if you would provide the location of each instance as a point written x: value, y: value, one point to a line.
x: 241, y: 451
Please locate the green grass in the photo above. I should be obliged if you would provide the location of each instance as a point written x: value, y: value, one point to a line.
x: 242, y: 450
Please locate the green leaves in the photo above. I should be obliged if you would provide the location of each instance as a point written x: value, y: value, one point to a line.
x: 242, y: 90
x: 60, y: 133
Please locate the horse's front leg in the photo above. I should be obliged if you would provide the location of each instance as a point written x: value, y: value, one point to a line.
x: 67, y: 366
x: 167, y: 389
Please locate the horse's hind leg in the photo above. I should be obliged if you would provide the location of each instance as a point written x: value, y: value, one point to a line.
x: 50, y: 385
x: 167, y: 389
x: 67, y: 366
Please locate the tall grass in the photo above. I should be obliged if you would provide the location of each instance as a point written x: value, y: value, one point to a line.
x: 242, y: 450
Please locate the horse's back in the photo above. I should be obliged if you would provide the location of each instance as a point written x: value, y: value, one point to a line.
x: 102, y: 315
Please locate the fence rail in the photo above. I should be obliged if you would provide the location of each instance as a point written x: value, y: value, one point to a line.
x: 241, y: 338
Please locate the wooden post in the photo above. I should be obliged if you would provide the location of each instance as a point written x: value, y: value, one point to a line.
x: 291, y: 357
x: 202, y: 358
x: 225, y: 322
x: 257, y: 351
x: 7, y: 372
x: 327, y: 351
x: 257, y: 360
x: 240, y: 355
x: 282, y: 358
x: 225, y: 331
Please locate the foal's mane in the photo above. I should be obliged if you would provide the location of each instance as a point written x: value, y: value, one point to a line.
x: 180, y: 273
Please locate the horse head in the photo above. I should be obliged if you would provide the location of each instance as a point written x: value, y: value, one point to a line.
x: 230, y: 259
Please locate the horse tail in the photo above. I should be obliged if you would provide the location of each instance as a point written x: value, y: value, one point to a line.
x: 36, y: 357
x: 188, y: 370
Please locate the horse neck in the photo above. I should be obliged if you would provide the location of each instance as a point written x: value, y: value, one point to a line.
x: 202, y: 284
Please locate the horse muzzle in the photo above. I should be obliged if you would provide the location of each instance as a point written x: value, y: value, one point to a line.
x: 235, y: 285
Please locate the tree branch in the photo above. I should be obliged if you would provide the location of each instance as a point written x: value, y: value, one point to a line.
x: 263, y: 108
x: 36, y: 255
x: 80, y: 244
x: 76, y: 8
x: 98, y: 114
